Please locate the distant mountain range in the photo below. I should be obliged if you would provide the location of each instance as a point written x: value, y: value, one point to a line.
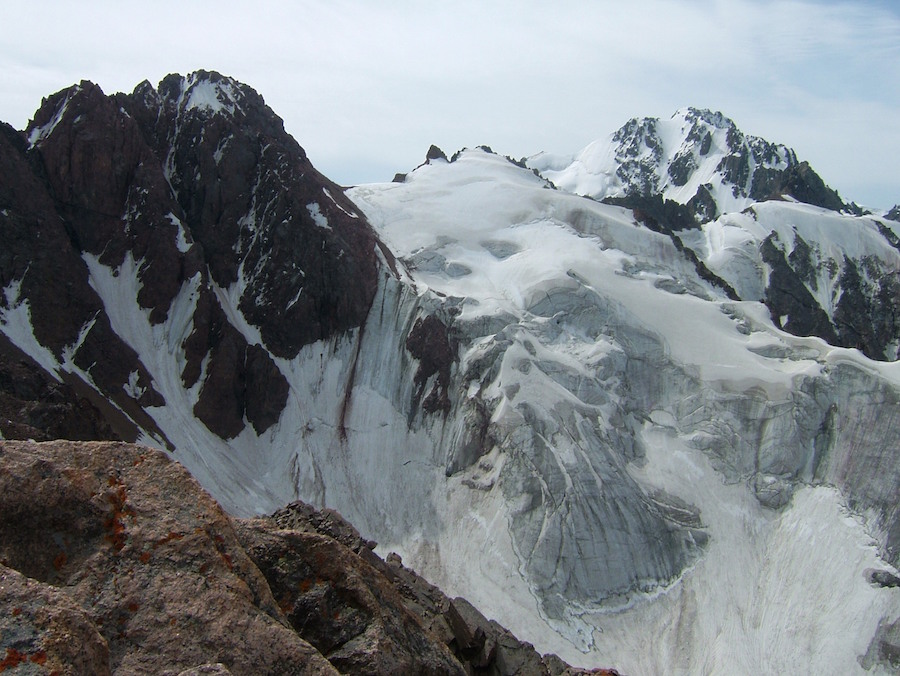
x: 623, y: 401
x: 698, y: 159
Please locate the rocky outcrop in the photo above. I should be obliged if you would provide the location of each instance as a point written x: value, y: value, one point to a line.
x: 788, y: 297
x: 264, y: 217
x: 861, y: 309
x: 188, y: 211
x: 482, y: 646
x: 114, y: 560
x: 342, y: 605
x: 805, y: 185
x: 153, y: 563
x: 43, y: 628
x: 430, y: 343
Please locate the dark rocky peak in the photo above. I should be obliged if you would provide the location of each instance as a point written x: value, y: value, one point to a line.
x: 639, y: 155
x: 803, y: 184
x: 301, y: 254
x: 662, y: 157
x: 109, y: 189
x: 637, y: 136
x: 54, y: 108
x: 65, y: 200
x: 766, y: 153
x: 104, y: 146
x: 435, y: 153
x: 894, y: 213
x: 194, y: 184
x: 715, y: 119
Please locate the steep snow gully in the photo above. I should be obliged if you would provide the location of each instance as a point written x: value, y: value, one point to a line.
x: 548, y: 404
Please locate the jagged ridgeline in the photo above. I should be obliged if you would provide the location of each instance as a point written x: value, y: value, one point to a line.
x: 583, y: 409
x: 697, y: 174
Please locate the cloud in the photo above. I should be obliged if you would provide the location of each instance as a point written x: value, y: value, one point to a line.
x: 366, y: 87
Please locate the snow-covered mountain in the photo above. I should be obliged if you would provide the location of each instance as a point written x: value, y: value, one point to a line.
x: 697, y: 158
x: 582, y: 419
x: 699, y: 178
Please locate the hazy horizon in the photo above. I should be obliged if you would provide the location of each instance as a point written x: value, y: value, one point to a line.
x: 366, y: 88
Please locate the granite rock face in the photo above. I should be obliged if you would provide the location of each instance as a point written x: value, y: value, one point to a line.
x: 45, y: 629
x: 129, y: 538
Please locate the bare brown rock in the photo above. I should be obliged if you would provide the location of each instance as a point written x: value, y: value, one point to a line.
x: 179, y: 191
x: 258, y: 208
x: 429, y: 341
x: 154, y: 562
x: 217, y: 669
x: 343, y: 605
x: 34, y: 405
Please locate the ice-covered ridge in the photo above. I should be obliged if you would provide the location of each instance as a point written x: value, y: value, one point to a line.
x: 673, y: 158
x: 826, y: 249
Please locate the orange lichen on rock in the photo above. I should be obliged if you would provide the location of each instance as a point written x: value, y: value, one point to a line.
x: 13, y: 659
x: 115, y: 524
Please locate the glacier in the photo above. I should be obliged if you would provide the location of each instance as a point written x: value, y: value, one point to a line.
x: 666, y: 457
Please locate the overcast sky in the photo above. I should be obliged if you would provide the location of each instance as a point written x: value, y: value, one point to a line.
x: 366, y: 87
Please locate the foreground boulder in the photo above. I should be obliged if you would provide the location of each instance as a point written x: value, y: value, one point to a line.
x: 114, y: 560
x: 153, y: 561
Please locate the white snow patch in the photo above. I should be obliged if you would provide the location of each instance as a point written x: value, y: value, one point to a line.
x: 334, y: 201
x: 15, y: 322
x: 317, y: 215
x: 294, y: 299
x: 220, y: 150
x: 181, y: 242
x: 69, y: 351
x: 210, y: 96
x: 132, y: 388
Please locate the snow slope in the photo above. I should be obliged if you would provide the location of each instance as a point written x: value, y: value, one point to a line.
x: 675, y: 158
